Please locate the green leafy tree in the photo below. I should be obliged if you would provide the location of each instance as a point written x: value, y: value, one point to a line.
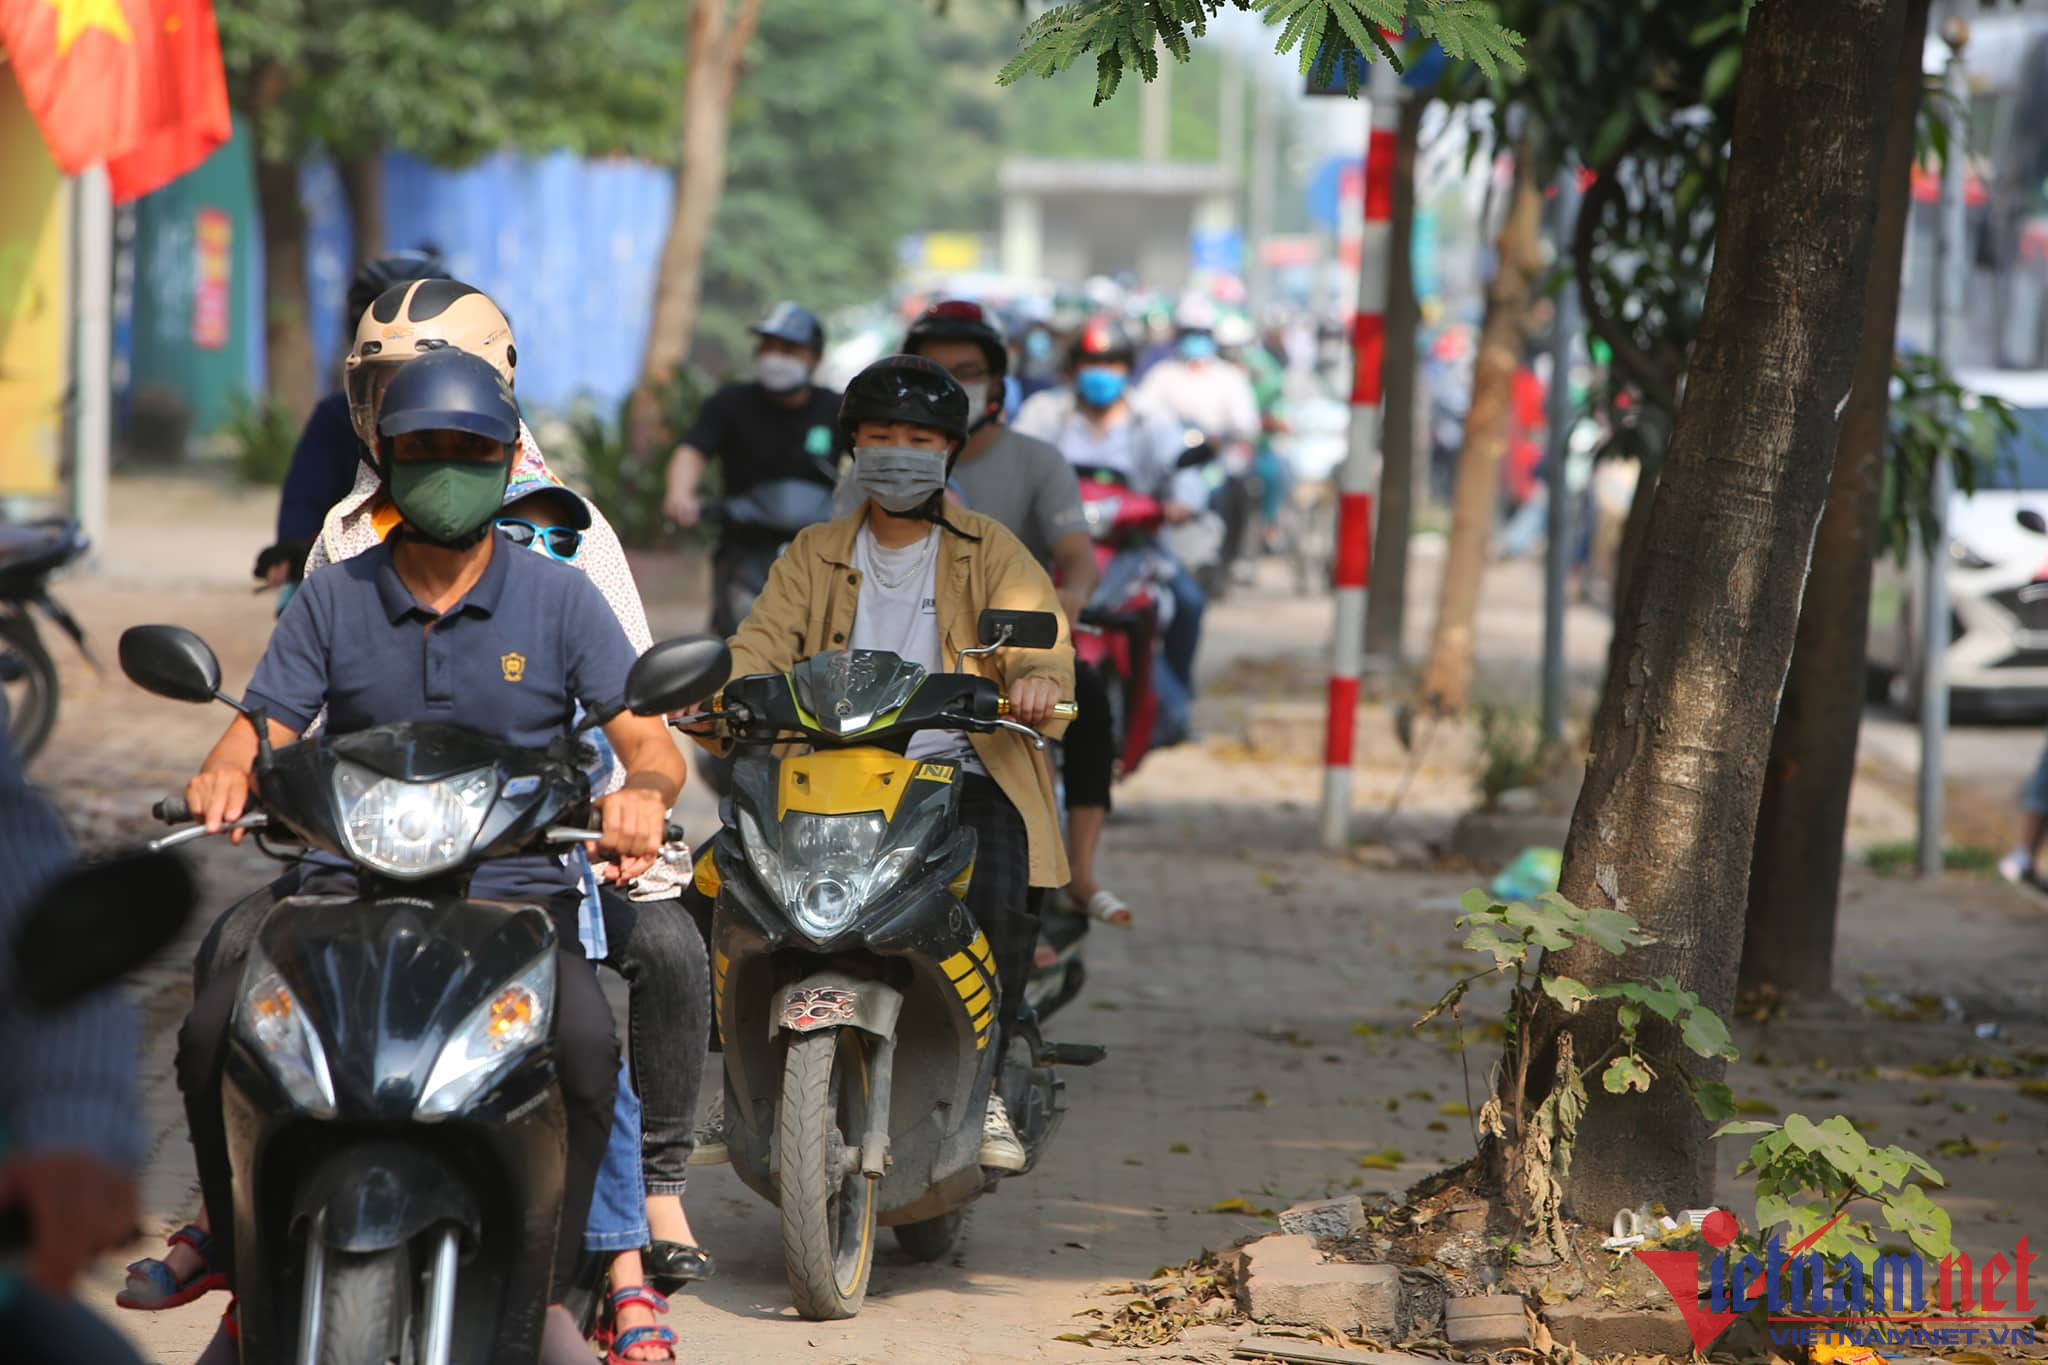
x: 444, y: 79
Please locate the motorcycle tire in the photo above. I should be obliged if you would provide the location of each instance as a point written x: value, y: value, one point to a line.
x: 31, y: 685
x: 828, y: 1206
x: 364, y: 1304
x: 930, y: 1240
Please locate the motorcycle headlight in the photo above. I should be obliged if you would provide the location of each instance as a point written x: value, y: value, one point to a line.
x: 1100, y: 515
x: 830, y: 866
x: 496, y: 1035
x: 1963, y: 557
x: 412, y: 829
x: 271, y: 1020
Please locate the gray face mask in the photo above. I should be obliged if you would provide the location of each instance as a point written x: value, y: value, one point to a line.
x: 898, y: 478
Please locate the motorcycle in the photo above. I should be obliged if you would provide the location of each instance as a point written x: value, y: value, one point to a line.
x: 854, y: 993
x: 768, y: 516
x: 1117, y: 635
x: 391, y: 1105
x: 29, y: 555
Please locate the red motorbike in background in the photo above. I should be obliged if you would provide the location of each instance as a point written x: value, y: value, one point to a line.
x: 1118, y: 635
x: 1120, y: 628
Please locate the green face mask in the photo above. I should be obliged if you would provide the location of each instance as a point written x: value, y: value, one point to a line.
x: 448, y: 501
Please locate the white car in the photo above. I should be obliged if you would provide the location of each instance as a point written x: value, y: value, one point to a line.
x: 1997, y: 576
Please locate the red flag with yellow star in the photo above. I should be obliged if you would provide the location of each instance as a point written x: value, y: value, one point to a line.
x: 136, y: 84
x: 184, y: 99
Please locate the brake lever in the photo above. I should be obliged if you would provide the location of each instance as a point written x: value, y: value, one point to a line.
x: 186, y: 836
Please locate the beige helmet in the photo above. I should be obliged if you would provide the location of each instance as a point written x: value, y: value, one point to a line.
x: 413, y: 318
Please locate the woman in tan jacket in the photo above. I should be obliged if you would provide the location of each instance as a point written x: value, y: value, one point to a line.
x: 908, y: 574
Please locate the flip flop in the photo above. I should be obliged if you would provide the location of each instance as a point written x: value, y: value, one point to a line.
x: 152, y: 1285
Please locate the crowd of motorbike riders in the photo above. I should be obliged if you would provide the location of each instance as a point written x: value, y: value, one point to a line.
x: 1091, y: 485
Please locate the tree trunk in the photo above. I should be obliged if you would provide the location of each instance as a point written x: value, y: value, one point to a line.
x: 1504, y: 332
x: 718, y: 44
x: 1795, y: 874
x: 1635, y: 533
x: 1666, y: 820
x: 1386, y: 606
x: 287, y: 337
x: 362, y: 184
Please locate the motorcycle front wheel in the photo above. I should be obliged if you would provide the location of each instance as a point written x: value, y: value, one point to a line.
x: 28, y: 681
x: 828, y: 1206
x: 363, y: 1303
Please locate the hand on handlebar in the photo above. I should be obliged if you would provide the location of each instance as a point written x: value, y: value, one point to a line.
x: 217, y: 798
x: 682, y: 508
x: 1177, y: 512
x: 633, y: 820
x: 693, y: 722
x: 1032, y: 700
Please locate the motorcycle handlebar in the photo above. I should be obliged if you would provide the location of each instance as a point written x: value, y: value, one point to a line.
x: 172, y: 810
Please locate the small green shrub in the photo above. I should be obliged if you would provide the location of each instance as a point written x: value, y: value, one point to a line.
x: 1902, y: 856
x: 260, y: 435
x: 627, y: 489
x: 1511, y: 750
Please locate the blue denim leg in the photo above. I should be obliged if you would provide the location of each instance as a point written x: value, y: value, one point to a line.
x: 2034, y: 797
x: 1185, y: 633
x: 618, y: 1205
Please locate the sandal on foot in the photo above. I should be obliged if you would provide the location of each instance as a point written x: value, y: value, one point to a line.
x: 153, y: 1286
x: 1108, y: 907
x: 671, y: 1265
x: 642, y: 1336
x: 616, y: 1343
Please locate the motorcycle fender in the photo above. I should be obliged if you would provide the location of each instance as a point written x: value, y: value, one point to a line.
x: 833, y: 1000
x: 51, y: 608
x: 382, y: 1195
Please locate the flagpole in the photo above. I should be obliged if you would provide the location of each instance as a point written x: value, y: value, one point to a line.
x: 92, y: 356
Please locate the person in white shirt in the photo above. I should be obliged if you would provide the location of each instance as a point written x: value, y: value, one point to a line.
x: 1200, y: 388
x: 1096, y: 424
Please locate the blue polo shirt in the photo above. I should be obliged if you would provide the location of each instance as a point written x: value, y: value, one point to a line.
x: 512, y: 659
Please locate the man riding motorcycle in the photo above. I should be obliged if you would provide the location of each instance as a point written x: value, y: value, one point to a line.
x: 908, y: 574
x: 778, y: 426
x: 1096, y: 424
x: 350, y: 644
x: 1209, y: 394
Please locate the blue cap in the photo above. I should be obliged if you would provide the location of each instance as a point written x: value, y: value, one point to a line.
x: 450, y: 390
x: 794, y: 323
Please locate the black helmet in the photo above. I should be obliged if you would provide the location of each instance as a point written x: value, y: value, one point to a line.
x: 962, y: 320
x: 905, y: 388
x: 450, y: 390
x: 1102, y: 340
x: 794, y: 323
x: 387, y: 272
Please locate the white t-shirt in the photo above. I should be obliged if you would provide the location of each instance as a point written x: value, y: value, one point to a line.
x: 1144, y: 445
x: 898, y: 611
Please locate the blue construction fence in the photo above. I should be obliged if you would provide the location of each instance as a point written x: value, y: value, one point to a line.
x: 568, y: 246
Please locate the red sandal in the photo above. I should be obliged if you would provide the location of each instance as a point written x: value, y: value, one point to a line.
x: 152, y: 1287
x: 617, y: 1343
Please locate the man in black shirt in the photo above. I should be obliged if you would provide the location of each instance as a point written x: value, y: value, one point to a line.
x: 777, y: 426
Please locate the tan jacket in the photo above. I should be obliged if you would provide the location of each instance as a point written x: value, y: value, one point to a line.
x: 808, y: 604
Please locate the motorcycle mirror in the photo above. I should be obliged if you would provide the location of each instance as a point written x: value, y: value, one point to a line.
x: 99, y: 922
x: 1018, y: 629
x: 2033, y: 521
x: 1198, y: 453
x: 676, y: 673
x: 170, y: 661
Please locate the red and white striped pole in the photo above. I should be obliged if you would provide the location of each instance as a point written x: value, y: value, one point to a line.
x: 1359, y: 475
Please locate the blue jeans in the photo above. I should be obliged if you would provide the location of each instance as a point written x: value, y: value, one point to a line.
x: 618, y: 1202
x: 1175, y: 683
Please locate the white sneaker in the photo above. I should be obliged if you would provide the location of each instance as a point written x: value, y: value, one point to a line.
x: 2015, y: 867
x: 710, y: 1147
x: 1000, y: 1149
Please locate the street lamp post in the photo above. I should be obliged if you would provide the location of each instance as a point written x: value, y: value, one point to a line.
x: 1949, y: 281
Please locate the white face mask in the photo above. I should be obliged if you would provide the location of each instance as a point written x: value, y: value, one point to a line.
x: 899, y: 478
x: 780, y: 373
x: 977, y: 399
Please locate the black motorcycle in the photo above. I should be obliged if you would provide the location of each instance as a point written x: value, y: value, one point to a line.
x: 393, y: 1115
x: 29, y: 555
